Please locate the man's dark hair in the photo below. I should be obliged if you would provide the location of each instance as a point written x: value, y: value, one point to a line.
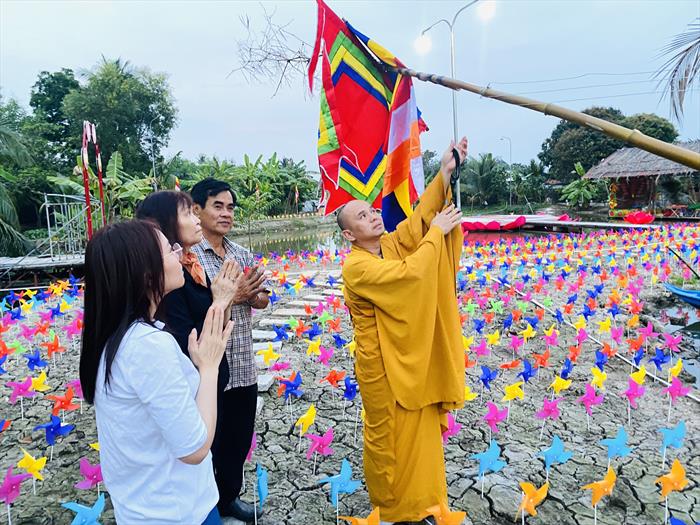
x: 339, y: 218
x: 210, y: 187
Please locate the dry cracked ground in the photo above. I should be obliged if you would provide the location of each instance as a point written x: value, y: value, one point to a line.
x: 295, y: 496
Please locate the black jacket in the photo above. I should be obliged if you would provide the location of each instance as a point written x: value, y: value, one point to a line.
x: 184, y: 309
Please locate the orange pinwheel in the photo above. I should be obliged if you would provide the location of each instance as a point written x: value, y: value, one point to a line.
x: 301, y: 328
x: 333, y: 325
x: 532, y: 497
x: 372, y: 519
x: 64, y: 402
x: 333, y: 377
x: 53, y: 347
x: 675, y: 480
x: 42, y: 328
x: 542, y: 360
x: 444, y: 516
x: 511, y: 364
x: 517, y: 315
x: 308, y: 309
x: 574, y: 352
x: 601, y: 488
x: 568, y: 308
x: 488, y: 317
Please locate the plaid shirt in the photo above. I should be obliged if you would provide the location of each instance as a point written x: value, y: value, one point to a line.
x: 239, y: 349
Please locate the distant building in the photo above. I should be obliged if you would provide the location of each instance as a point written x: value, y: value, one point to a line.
x: 639, y: 180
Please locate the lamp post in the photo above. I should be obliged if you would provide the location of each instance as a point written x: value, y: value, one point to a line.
x: 424, y: 43
x: 510, y: 169
x: 153, y: 153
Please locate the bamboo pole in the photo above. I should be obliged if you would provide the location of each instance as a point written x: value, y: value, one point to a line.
x: 631, y: 136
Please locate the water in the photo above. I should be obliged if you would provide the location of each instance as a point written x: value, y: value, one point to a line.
x: 689, y: 319
x: 296, y: 241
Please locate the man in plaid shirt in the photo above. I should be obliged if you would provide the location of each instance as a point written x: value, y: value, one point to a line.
x: 214, y: 202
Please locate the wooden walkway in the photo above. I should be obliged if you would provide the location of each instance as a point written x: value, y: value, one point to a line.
x: 19, y: 264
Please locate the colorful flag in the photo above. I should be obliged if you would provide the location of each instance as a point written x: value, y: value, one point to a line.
x: 368, y: 138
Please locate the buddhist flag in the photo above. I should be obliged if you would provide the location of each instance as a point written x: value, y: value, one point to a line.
x: 368, y: 138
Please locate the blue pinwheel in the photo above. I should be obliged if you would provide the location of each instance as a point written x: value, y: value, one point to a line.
x: 86, y: 515
x: 313, y: 332
x: 479, y: 325
x: 54, y: 429
x: 338, y: 341
x: 555, y: 454
x: 489, y: 459
x: 617, y: 446
x: 273, y: 298
x: 350, y: 390
x: 532, y: 321
x: 280, y: 332
x: 672, y: 437
x: 659, y: 359
x: 601, y: 360
x: 292, y: 386
x: 261, y: 475
x: 508, y: 322
x: 34, y: 360
x: 558, y: 316
x: 638, y: 356
x: 487, y: 375
x: 566, y: 369
x: 2, y: 362
x: 341, y: 483
x: 528, y: 371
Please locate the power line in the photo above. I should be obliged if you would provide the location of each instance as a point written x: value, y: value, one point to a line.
x: 581, y: 76
x: 623, y: 95
x: 588, y: 87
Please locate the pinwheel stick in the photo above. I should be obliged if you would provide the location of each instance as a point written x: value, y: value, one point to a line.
x: 663, y: 458
x: 9, y: 515
x: 595, y: 514
x: 255, y: 504
x: 34, y: 486
x: 668, y: 417
x: 21, y: 406
x: 482, y: 486
x: 542, y: 430
x: 629, y: 413
x: 665, y: 510
x: 588, y: 421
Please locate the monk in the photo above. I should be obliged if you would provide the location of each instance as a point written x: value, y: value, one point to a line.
x: 400, y: 288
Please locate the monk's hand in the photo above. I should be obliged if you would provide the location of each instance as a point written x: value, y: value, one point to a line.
x: 447, y: 163
x: 447, y: 219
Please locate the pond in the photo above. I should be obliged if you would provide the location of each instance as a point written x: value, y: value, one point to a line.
x: 296, y: 240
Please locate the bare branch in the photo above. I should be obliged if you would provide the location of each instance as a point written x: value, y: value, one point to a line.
x: 272, y: 53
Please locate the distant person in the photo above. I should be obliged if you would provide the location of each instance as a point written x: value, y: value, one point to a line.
x: 401, y: 292
x: 155, y: 409
x: 214, y: 202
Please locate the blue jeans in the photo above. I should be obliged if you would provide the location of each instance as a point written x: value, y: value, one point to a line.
x: 213, y: 518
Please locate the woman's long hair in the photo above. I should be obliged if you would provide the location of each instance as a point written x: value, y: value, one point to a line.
x: 162, y: 207
x: 123, y: 275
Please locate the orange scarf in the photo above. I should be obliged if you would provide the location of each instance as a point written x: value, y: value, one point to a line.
x: 191, y: 263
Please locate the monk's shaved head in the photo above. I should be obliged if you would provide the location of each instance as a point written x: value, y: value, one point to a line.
x: 349, y: 210
x: 339, y: 217
x: 358, y: 220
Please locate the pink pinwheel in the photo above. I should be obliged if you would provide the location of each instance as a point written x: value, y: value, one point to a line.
x: 672, y: 342
x: 482, y: 349
x: 19, y: 390
x: 325, y: 355
x: 616, y: 334
x: 91, y: 473
x: 45, y: 316
x: 515, y: 343
x: 73, y: 328
x: 494, y: 416
x: 319, y: 308
x: 253, y: 446
x: 280, y: 365
x: 453, y: 428
x: 590, y: 399
x: 647, y: 332
x: 527, y: 297
x: 26, y: 332
x: 320, y: 444
x: 519, y: 285
x: 676, y: 390
x: 77, y: 388
x: 9, y: 490
x: 581, y: 336
x: 634, y: 391
x: 483, y: 302
x: 552, y: 339
x: 550, y: 409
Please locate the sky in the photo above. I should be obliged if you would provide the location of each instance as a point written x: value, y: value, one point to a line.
x: 575, y: 53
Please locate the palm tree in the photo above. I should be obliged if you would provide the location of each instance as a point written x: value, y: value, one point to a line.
x: 681, y: 70
x: 13, y: 149
x: 12, y: 146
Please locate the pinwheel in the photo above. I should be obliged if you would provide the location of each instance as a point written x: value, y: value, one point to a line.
x: 341, y: 483
x: 372, y: 519
x: 21, y: 390
x: 600, y: 489
x: 674, y: 481
x: 86, y: 515
x: 671, y: 437
x: 674, y: 391
x: 452, y: 429
x: 32, y: 466
x: 489, y: 461
x: 617, y: 446
x: 54, y: 429
x: 550, y: 410
x: 444, y: 516
x: 319, y: 445
x: 531, y: 498
x: 555, y: 454
x: 63, y: 403
x: 512, y: 392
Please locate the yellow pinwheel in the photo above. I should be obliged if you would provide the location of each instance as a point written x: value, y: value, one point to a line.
x: 268, y: 354
x: 314, y: 347
x: 560, y: 384
x: 494, y: 338
x: 514, y: 391
x: 598, y: 378
x: 31, y: 465
x: 469, y: 395
x: 639, y: 375
x: 306, y: 420
x: 39, y: 383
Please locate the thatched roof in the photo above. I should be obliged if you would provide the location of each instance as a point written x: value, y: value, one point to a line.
x: 635, y: 162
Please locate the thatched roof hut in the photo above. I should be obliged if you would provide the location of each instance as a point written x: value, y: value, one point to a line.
x: 635, y: 162
x: 642, y: 180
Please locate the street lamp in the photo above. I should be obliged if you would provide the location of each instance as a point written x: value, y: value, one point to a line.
x: 153, y: 152
x: 510, y: 168
x: 423, y: 45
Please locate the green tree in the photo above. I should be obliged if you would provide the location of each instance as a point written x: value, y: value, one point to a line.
x: 571, y: 143
x: 484, y: 180
x: 652, y: 125
x: 55, y: 140
x: 431, y: 165
x: 580, y: 192
x: 133, y: 109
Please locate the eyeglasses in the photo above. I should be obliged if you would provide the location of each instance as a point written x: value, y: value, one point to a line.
x: 177, y: 250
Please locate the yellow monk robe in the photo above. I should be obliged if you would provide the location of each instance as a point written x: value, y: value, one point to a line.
x: 409, y: 359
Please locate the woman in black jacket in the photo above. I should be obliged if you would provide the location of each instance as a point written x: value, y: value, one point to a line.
x: 186, y: 308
